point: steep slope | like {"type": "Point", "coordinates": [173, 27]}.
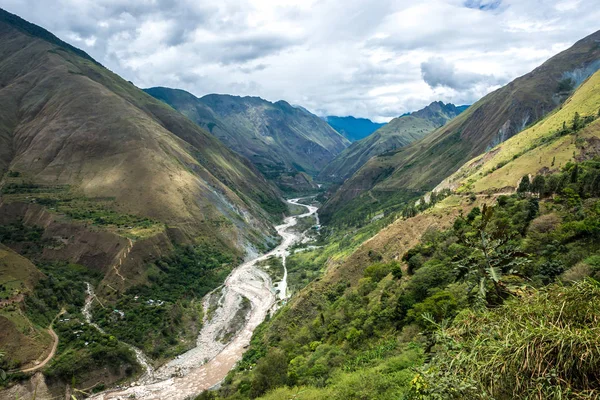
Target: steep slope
{"type": "Point", "coordinates": [492, 120]}
{"type": "Point", "coordinates": [66, 121]}
{"type": "Point", "coordinates": [542, 149]}
{"type": "Point", "coordinates": [18, 276]}
{"type": "Point", "coordinates": [399, 132]}
{"type": "Point", "coordinates": [353, 128]}
{"type": "Point", "coordinates": [278, 138]}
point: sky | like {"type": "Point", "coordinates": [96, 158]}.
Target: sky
{"type": "Point", "coordinates": [368, 58]}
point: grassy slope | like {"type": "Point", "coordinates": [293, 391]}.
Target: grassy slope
{"type": "Point", "coordinates": [536, 149]}
{"type": "Point", "coordinates": [275, 136]}
{"type": "Point", "coordinates": [22, 341]}
{"type": "Point", "coordinates": [493, 119]}
{"type": "Point", "coordinates": [399, 132]}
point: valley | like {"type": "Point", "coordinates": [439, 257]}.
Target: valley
{"type": "Point", "coordinates": [215, 242]}
{"type": "Point", "coordinates": [211, 360]}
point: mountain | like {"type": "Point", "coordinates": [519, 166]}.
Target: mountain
{"type": "Point", "coordinates": [104, 184]}
{"type": "Point", "coordinates": [281, 140]}
{"type": "Point", "coordinates": [492, 120]}
{"type": "Point", "coordinates": [399, 132]}
{"type": "Point", "coordinates": [353, 128]}
{"type": "Point", "coordinates": [541, 150]}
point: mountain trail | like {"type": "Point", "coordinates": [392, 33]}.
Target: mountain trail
{"type": "Point", "coordinates": [122, 257]}
{"type": "Point", "coordinates": [52, 350]}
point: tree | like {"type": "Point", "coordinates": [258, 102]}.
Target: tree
{"type": "Point", "coordinates": [577, 124]}
{"type": "Point", "coordinates": [270, 372]}
{"type": "Point", "coordinates": [491, 255]}
{"type": "Point", "coordinates": [524, 185]}
{"type": "Point", "coordinates": [574, 174]}
{"type": "Point", "coordinates": [538, 184]}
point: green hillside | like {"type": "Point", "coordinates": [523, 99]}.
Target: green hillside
{"type": "Point", "coordinates": [541, 149]}
{"type": "Point", "coordinates": [281, 140]}
{"type": "Point", "coordinates": [399, 132]}
{"type": "Point", "coordinates": [491, 120]}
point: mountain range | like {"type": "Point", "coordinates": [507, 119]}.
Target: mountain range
{"type": "Point", "coordinates": [454, 235]}
{"type": "Point", "coordinates": [281, 140]}
{"type": "Point", "coordinates": [399, 132]}
{"type": "Point", "coordinates": [353, 128]}
{"type": "Point", "coordinates": [491, 120]}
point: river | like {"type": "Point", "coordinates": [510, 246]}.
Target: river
{"type": "Point", "coordinates": [207, 364]}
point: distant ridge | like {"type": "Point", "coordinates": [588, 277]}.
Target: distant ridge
{"type": "Point", "coordinates": [353, 128]}
{"type": "Point", "coordinates": [397, 133]}
{"type": "Point", "coordinates": [280, 139]}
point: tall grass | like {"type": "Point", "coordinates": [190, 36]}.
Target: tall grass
{"type": "Point", "coordinates": [543, 345]}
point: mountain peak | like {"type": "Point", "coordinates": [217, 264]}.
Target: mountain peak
{"type": "Point", "coordinates": [38, 32]}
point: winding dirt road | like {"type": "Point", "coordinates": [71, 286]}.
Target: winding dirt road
{"type": "Point", "coordinates": [52, 350]}
{"type": "Point", "coordinates": [207, 364]}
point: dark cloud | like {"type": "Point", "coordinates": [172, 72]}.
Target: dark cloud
{"type": "Point", "coordinates": [437, 72]}
{"type": "Point", "coordinates": [251, 48]}
{"type": "Point", "coordinates": [485, 5]}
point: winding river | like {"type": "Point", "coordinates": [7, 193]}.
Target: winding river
{"type": "Point", "coordinates": [208, 363]}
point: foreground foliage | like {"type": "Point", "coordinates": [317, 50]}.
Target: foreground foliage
{"type": "Point", "coordinates": [542, 345]}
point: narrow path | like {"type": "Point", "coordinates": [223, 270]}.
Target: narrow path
{"type": "Point", "coordinates": [210, 361]}
{"type": "Point", "coordinates": [122, 258]}
{"type": "Point", "coordinates": [54, 346]}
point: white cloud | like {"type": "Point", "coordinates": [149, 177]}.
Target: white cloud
{"type": "Point", "coordinates": [375, 59]}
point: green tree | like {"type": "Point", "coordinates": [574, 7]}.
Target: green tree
{"type": "Point", "coordinates": [491, 254]}
{"type": "Point", "coordinates": [577, 123]}
{"type": "Point", "coordinates": [574, 173]}
{"type": "Point", "coordinates": [524, 185]}
{"type": "Point", "coordinates": [270, 372]}
{"type": "Point", "coordinates": [538, 184]}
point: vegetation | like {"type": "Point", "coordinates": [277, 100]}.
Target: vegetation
{"type": "Point", "coordinates": [97, 211]}
{"type": "Point", "coordinates": [83, 349]}
{"type": "Point", "coordinates": [272, 266]}
{"type": "Point", "coordinates": [62, 287]}
{"type": "Point", "coordinates": [453, 300]}
{"type": "Point", "coordinates": [164, 317]}
{"type": "Point", "coordinates": [541, 345]}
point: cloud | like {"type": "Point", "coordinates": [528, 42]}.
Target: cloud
{"type": "Point", "coordinates": [375, 59]}
{"type": "Point", "coordinates": [437, 72]}
{"type": "Point", "coordinates": [485, 5]}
